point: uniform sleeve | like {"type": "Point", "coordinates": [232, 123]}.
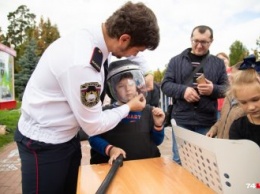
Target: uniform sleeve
{"type": "Point", "coordinates": [90, 117]}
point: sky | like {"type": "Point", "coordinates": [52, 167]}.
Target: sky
{"type": "Point", "coordinates": [230, 21]}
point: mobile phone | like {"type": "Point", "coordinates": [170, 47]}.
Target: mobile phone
{"type": "Point", "coordinates": [201, 79]}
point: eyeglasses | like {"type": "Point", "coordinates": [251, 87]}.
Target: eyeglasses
{"type": "Point", "coordinates": [202, 42]}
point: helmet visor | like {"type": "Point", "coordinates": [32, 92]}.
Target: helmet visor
{"type": "Point", "coordinates": [126, 85]}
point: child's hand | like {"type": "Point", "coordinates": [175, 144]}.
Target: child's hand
{"type": "Point", "coordinates": [158, 116]}
{"type": "Point", "coordinates": [114, 153]}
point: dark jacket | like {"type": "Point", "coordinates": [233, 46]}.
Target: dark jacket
{"type": "Point", "coordinates": [153, 96]}
{"type": "Point", "coordinates": [202, 113]}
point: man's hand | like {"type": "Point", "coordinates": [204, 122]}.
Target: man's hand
{"type": "Point", "coordinates": [137, 103]}
{"type": "Point", "coordinates": [191, 95]}
{"type": "Point", "coordinates": [205, 89]}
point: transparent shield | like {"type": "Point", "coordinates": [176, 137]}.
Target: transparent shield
{"type": "Point", "coordinates": [126, 85]}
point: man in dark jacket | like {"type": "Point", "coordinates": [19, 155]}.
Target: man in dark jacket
{"type": "Point", "coordinates": [195, 106]}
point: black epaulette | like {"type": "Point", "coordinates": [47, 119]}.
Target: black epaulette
{"type": "Point", "coordinates": [96, 59]}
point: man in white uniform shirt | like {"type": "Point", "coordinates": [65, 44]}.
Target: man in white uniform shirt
{"type": "Point", "coordinates": [64, 94]}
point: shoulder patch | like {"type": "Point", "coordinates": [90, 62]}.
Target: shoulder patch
{"type": "Point", "coordinates": [90, 93]}
{"type": "Point", "coordinates": [96, 59]}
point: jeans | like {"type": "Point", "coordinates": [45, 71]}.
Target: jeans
{"type": "Point", "coordinates": [218, 114]}
{"type": "Point", "coordinates": [199, 129]}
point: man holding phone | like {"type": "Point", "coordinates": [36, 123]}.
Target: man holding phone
{"type": "Point", "coordinates": [195, 104]}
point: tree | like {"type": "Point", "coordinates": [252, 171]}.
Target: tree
{"type": "Point", "coordinates": [28, 62]}
{"type": "Point", "coordinates": [237, 52]}
{"type": "Point", "coordinates": [158, 76]}
{"type": "Point", "coordinates": [257, 50]}
{"type": "Point", "coordinates": [29, 40]}
{"type": "Point", "coordinates": [2, 37]}
{"type": "Point", "coordinates": [21, 21]}
{"type": "Point", "coordinates": [45, 34]}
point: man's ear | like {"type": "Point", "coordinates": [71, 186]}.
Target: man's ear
{"type": "Point", "coordinates": [125, 38]}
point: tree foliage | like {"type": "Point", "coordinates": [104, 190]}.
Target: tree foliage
{"type": "Point", "coordinates": [45, 33]}
{"type": "Point", "coordinates": [29, 41]}
{"type": "Point", "coordinates": [158, 76]}
{"type": "Point", "coordinates": [2, 37]}
{"type": "Point", "coordinates": [257, 50]}
{"type": "Point", "coordinates": [23, 28]}
{"type": "Point", "coordinates": [21, 21]}
{"type": "Point", "coordinates": [237, 52]}
{"type": "Point", "coordinates": [28, 62]}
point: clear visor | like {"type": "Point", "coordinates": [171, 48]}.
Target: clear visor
{"type": "Point", "coordinates": [126, 85]}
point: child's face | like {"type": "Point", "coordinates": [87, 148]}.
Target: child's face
{"type": "Point", "coordinates": [248, 97]}
{"type": "Point", "coordinates": [126, 89]}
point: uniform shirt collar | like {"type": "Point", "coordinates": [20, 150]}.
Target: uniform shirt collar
{"type": "Point", "coordinates": [98, 39]}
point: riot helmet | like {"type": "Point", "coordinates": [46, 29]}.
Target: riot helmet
{"type": "Point", "coordinates": [125, 80]}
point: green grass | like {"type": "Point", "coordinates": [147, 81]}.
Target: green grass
{"type": "Point", "coordinates": [10, 119]}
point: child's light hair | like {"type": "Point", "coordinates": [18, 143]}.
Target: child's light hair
{"type": "Point", "coordinates": [244, 78]}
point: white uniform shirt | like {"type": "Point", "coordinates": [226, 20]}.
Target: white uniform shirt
{"type": "Point", "coordinates": [52, 111]}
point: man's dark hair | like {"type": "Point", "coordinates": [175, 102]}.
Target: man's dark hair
{"type": "Point", "coordinates": [136, 20]}
{"type": "Point", "coordinates": [202, 29]}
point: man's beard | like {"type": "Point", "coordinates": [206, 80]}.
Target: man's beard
{"type": "Point", "coordinates": [119, 57]}
{"type": "Point", "coordinates": [121, 50]}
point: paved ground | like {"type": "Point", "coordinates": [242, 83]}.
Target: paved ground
{"type": "Point", "coordinates": [10, 175]}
